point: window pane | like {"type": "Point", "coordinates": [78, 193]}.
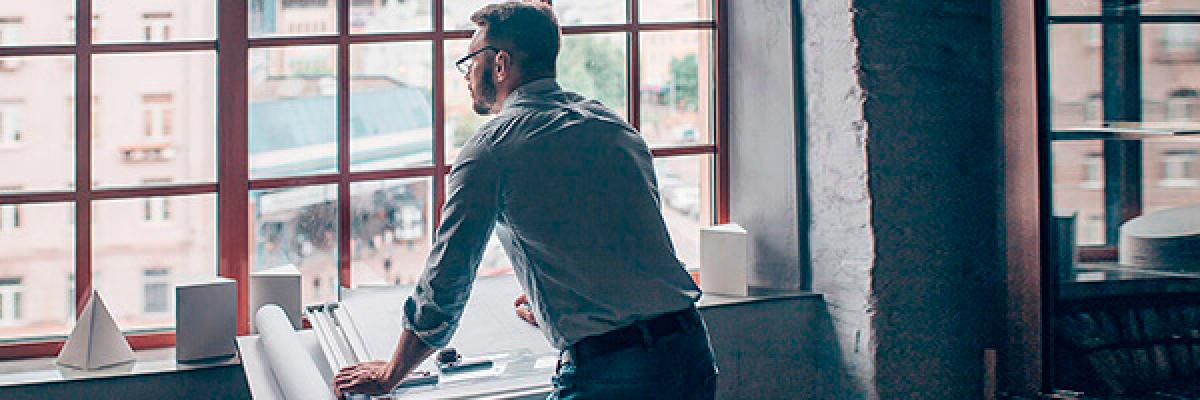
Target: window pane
{"type": "Point", "coordinates": [595, 66]}
{"type": "Point", "coordinates": [131, 254]}
{"type": "Point", "coordinates": [37, 117]}
{"type": "Point", "coordinates": [1169, 76]}
{"type": "Point", "coordinates": [370, 16]}
{"type": "Point", "coordinates": [390, 236]}
{"type": "Point", "coordinates": [39, 258]}
{"type": "Point", "coordinates": [676, 87]}
{"type": "Point", "coordinates": [391, 114]}
{"type": "Point", "coordinates": [1079, 187]}
{"type": "Point", "coordinates": [1170, 7]}
{"type": "Point", "coordinates": [458, 13]}
{"type": "Point", "coordinates": [1075, 76]}
{"type": "Point", "coordinates": [299, 227]}
{"type": "Point", "coordinates": [156, 118]}
{"type": "Point", "coordinates": [292, 17]}
{"type": "Point", "coordinates": [461, 119]}
{"type": "Point", "coordinates": [155, 20]}
{"type": "Point", "coordinates": [1074, 7]}
{"type": "Point", "coordinates": [675, 10]}
{"type": "Point", "coordinates": [293, 111]}
{"type": "Point", "coordinates": [25, 23]}
{"type": "Point", "coordinates": [685, 187]}
{"type": "Point", "coordinates": [583, 12]}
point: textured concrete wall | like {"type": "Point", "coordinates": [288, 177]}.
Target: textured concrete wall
{"type": "Point", "coordinates": [902, 173]}
{"type": "Point", "coordinates": [928, 73]}
{"type": "Point", "coordinates": [782, 357]}
{"type": "Point", "coordinates": [763, 195]}
{"type": "Point", "coordinates": [840, 236]}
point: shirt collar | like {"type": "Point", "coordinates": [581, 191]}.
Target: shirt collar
{"type": "Point", "coordinates": [531, 88]}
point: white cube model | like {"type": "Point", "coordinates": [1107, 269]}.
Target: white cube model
{"type": "Point", "coordinates": [279, 286]}
{"type": "Point", "coordinates": [725, 259]}
{"type": "Point", "coordinates": [205, 319]}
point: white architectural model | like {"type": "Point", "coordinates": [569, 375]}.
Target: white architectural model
{"type": "Point", "coordinates": [96, 342]}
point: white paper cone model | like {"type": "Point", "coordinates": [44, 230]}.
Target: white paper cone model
{"type": "Point", "coordinates": [725, 259]}
{"type": "Point", "coordinates": [279, 286]}
{"type": "Point", "coordinates": [96, 342]}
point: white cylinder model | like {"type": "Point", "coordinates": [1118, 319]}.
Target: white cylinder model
{"type": "Point", "coordinates": [1163, 240]}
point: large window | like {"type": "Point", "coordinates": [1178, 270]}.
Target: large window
{"type": "Point", "coordinates": [1138, 152]}
{"type": "Point", "coordinates": [321, 130]}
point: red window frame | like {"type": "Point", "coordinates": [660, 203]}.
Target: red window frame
{"type": "Point", "coordinates": [232, 44]}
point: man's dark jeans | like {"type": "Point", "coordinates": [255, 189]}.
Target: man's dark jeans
{"type": "Point", "coordinates": [675, 366]}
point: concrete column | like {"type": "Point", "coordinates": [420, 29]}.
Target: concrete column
{"type": "Point", "coordinates": [902, 150]}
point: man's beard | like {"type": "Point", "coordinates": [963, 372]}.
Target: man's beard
{"type": "Point", "coordinates": [486, 98]}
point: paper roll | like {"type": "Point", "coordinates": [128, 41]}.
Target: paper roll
{"type": "Point", "coordinates": [294, 369]}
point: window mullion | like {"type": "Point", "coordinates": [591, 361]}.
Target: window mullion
{"type": "Point", "coordinates": [439, 112]}
{"type": "Point", "coordinates": [232, 153]}
{"type": "Point", "coordinates": [343, 142]}
{"type": "Point", "coordinates": [83, 153]}
{"type": "Point", "coordinates": [635, 67]}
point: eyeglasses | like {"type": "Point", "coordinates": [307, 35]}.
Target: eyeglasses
{"type": "Point", "coordinates": [467, 62]}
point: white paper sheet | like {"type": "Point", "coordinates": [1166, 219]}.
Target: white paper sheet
{"type": "Point", "coordinates": [297, 373]}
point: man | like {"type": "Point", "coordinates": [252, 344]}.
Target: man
{"type": "Point", "coordinates": [570, 189]}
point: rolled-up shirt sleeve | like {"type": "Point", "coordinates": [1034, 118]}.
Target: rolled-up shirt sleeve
{"type": "Point", "coordinates": [434, 308]}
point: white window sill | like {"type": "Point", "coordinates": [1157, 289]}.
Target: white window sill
{"type": "Point", "coordinates": [148, 362]}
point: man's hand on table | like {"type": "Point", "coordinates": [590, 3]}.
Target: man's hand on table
{"type": "Point", "coordinates": [523, 310]}
{"type": "Point", "coordinates": [379, 377]}
{"type": "Point", "coordinates": [371, 378]}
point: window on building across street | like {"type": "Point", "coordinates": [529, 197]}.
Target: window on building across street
{"type": "Point", "coordinates": [10, 217]}
{"type": "Point", "coordinates": [156, 288]}
{"type": "Point", "coordinates": [1181, 40]}
{"type": "Point", "coordinates": [11, 292]}
{"type": "Point", "coordinates": [1183, 105]}
{"type": "Point", "coordinates": [1180, 169]}
{"type": "Point", "coordinates": [156, 26]}
{"type": "Point", "coordinates": [12, 115]}
{"type": "Point", "coordinates": [347, 143]}
{"type": "Point", "coordinates": [1093, 171]}
{"type": "Point", "coordinates": [10, 31]}
{"type": "Point", "coordinates": [157, 112]}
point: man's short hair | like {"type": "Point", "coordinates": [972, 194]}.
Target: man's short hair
{"type": "Point", "coordinates": [527, 29]}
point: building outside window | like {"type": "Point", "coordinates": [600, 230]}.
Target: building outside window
{"type": "Point", "coordinates": [11, 122]}
{"type": "Point", "coordinates": [1179, 43]}
{"type": "Point", "coordinates": [10, 34]}
{"type": "Point", "coordinates": [1183, 105]}
{"type": "Point", "coordinates": [156, 289]}
{"type": "Point", "coordinates": [1179, 169]}
{"type": "Point", "coordinates": [71, 25]}
{"type": "Point", "coordinates": [1093, 171]}
{"type": "Point", "coordinates": [1093, 108]}
{"type": "Point", "coordinates": [156, 209]}
{"type": "Point", "coordinates": [156, 27]}
{"type": "Point", "coordinates": [11, 311]}
{"type": "Point", "coordinates": [157, 113]}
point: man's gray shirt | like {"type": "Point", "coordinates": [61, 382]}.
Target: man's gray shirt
{"type": "Point", "coordinates": [570, 189]}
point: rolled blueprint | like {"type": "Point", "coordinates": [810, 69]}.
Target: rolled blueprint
{"type": "Point", "coordinates": [294, 369]}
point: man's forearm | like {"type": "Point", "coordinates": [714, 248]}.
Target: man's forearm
{"type": "Point", "coordinates": [410, 352]}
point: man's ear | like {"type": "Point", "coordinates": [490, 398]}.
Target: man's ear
{"type": "Point", "coordinates": [503, 65]}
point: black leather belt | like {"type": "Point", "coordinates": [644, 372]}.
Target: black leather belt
{"type": "Point", "coordinates": [643, 333]}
